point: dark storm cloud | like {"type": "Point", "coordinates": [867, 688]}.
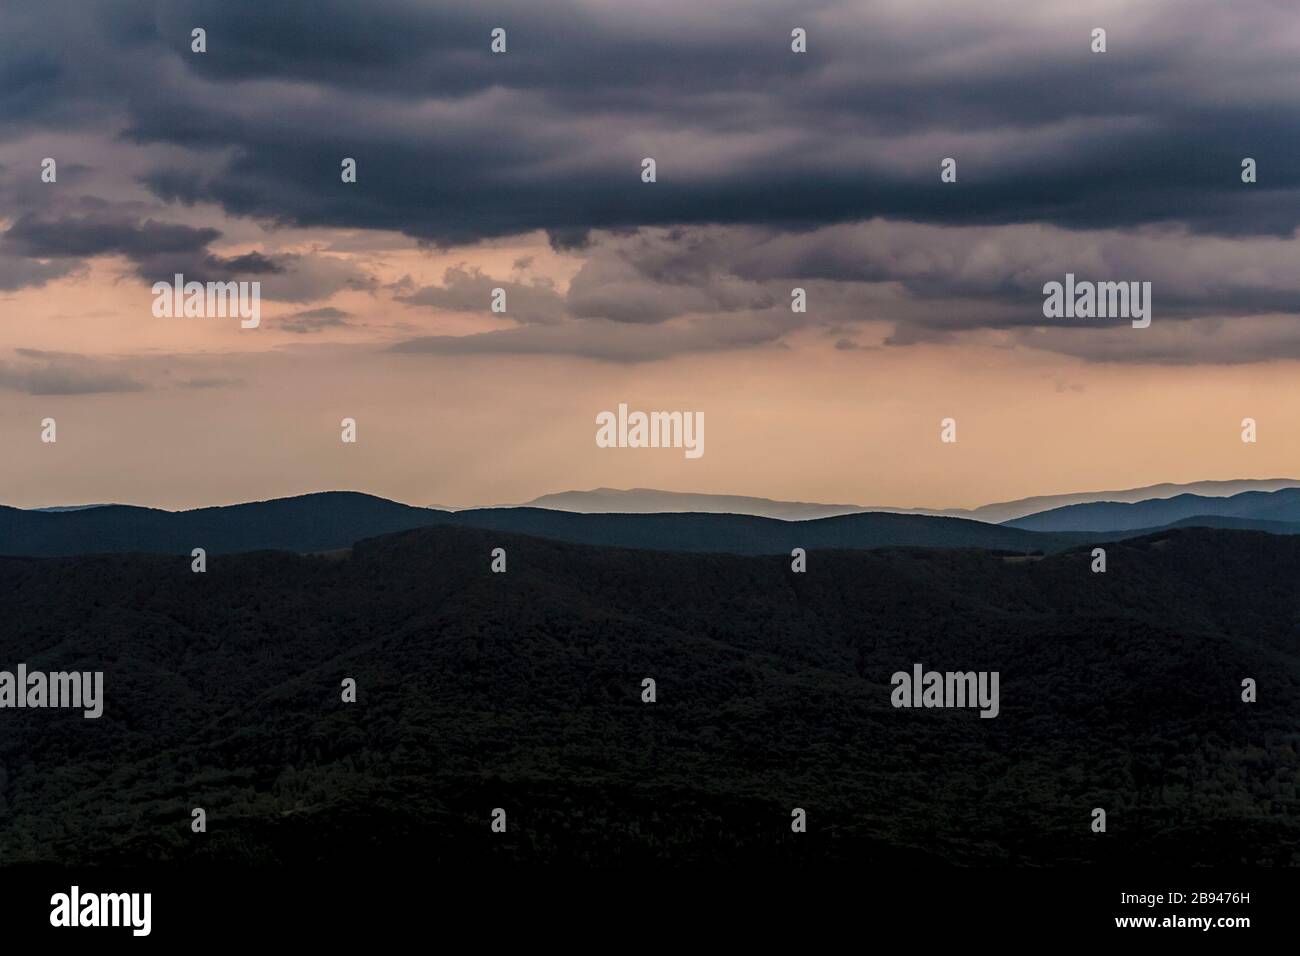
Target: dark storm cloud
{"type": "Point", "coordinates": [454, 143]}
{"type": "Point", "coordinates": [158, 250]}
{"type": "Point", "coordinates": [659, 292]}
{"type": "Point", "coordinates": [84, 236]}
{"type": "Point", "coordinates": [44, 244]}
{"type": "Point", "coordinates": [38, 247]}
{"type": "Point", "coordinates": [639, 278]}
{"type": "Point", "coordinates": [17, 272]}
{"type": "Point", "coordinates": [650, 278]}
{"type": "Point", "coordinates": [774, 169]}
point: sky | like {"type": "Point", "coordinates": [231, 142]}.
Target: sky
{"type": "Point", "coordinates": [522, 171]}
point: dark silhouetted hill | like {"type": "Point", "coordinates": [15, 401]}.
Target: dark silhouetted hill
{"type": "Point", "coordinates": [523, 691]}
{"type": "Point", "coordinates": [746, 534]}
{"type": "Point", "coordinates": [305, 523]}
{"type": "Point", "coordinates": [1281, 506]}
{"type": "Point", "coordinates": [331, 520]}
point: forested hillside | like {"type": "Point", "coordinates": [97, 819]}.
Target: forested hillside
{"type": "Point", "coordinates": [522, 690]}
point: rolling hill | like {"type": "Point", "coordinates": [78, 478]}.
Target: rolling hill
{"type": "Point", "coordinates": [523, 691]}
{"type": "Point", "coordinates": [649, 500]}
{"type": "Point", "coordinates": [332, 520]}
{"type": "Point", "coordinates": [1282, 506]}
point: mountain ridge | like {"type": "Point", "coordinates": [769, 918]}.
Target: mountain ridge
{"type": "Point", "coordinates": [650, 500]}
{"type": "Point", "coordinates": [1282, 505]}
{"type": "Point", "coordinates": [330, 521]}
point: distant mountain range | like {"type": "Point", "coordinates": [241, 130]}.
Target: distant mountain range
{"type": "Point", "coordinates": [649, 500]}
{"type": "Point", "coordinates": [1268, 506]}
{"type": "Point", "coordinates": [334, 520]}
